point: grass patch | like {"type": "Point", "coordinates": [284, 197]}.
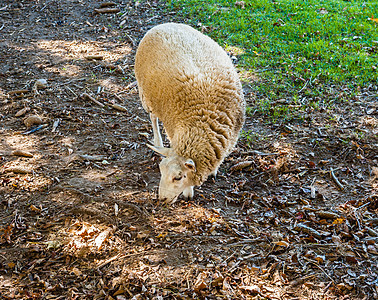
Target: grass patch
{"type": "Point", "coordinates": [293, 44]}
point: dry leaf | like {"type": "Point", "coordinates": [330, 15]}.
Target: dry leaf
{"type": "Point", "coordinates": [102, 237]}
{"type": "Point", "coordinates": [33, 208]}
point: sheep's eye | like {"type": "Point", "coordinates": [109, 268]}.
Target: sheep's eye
{"type": "Point", "coordinates": [177, 178]}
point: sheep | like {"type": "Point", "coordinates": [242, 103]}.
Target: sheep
{"type": "Point", "coordinates": [188, 82]}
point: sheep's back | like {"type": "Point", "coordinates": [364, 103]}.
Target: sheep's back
{"type": "Point", "coordinates": [172, 56]}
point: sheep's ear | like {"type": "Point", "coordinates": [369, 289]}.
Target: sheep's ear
{"type": "Point", "coordinates": [190, 165]}
{"type": "Point", "coordinates": [161, 150]}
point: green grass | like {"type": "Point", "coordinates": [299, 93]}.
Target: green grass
{"type": "Point", "coordinates": [294, 44]}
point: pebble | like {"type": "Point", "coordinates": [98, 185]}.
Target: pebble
{"type": "Point", "coordinates": [32, 120]}
{"type": "Point", "coordinates": [41, 84]}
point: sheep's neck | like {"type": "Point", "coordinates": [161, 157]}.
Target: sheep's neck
{"type": "Point", "coordinates": [193, 142]}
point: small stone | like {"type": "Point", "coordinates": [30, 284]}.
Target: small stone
{"type": "Point", "coordinates": [32, 120]}
{"type": "Point", "coordinates": [41, 84]}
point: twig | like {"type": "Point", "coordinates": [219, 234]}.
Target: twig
{"type": "Point", "coordinates": [34, 129]}
{"type": "Point", "coordinates": [131, 39]}
{"type": "Point", "coordinates": [18, 92]}
{"type": "Point", "coordinates": [320, 268]}
{"type": "Point", "coordinates": [336, 180]}
{"type": "Point", "coordinates": [313, 189]}
{"type": "Point", "coordinates": [118, 107]}
{"type": "Point", "coordinates": [259, 153]}
{"type": "Point", "coordinates": [104, 263]}
{"type": "Point", "coordinates": [362, 206]}
{"type": "Point", "coordinates": [107, 10]}
{"type": "Point", "coordinates": [107, 4]}
{"type": "Point", "coordinates": [68, 88]}
{"type": "Point", "coordinates": [305, 85]}
{"type": "Point", "coordinates": [301, 280]}
{"type": "Point", "coordinates": [86, 96]}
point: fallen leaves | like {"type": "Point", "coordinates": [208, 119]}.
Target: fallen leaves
{"type": "Point", "coordinates": [87, 238]}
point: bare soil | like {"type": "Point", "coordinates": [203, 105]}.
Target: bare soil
{"type": "Point", "coordinates": [292, 214]}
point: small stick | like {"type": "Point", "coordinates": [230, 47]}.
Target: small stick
{"type": "Point", "coordinates": [131, 39]}
{"type": "Point", "coordinates": [86, 96]}
{"type": "Point", "coordinates": [104, 263]}
{"type": "Point", "coordinates": [118, 97]}
{"type": "Point", "coordinates": [68, 88]}
{"type": "Point", "coordinates": [55, 125]}
{"type": "Point", "coordinates": [107, 10]}
{"type": "Point", "coordinates": [336, 180]}
{"type": "Point", "coordinates": [95, 57]}
{"type": "Point", "coordinates": [34, 129]}
{"type": "Point", "coordinates": [313, 189]}
{"type": "Point", "coordinates": [321, 269]}
{"type": "Point", "coordinates": [18, 92]}
{"type": "Point", "coordinates": [107, 4]}
{"type": "Point", "coordinates": [118, 107]}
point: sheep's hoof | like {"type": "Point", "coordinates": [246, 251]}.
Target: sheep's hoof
{"type": "Point", "coordinates": [188, 193]}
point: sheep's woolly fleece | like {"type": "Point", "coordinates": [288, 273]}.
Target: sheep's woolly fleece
{"type": "Point", "coordinates": [188, 81]}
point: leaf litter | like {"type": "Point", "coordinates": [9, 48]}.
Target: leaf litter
{"type": "Point", "coordinates": [293, 215]}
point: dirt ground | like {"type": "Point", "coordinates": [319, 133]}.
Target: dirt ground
{"type": "Point", "coordinates": [292, 214]}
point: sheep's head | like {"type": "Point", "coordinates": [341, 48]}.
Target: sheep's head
{"type": "Point", "coordinates": [176, 174]}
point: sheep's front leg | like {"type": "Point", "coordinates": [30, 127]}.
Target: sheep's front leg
{"type": "Point", "coordinates": [188, 192]}
{"type": "Point", "coordinates": [158, 142]}
{"type": "Point", "coordinates": [214, 173]}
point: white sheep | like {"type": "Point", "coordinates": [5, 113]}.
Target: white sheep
{"type": "Point", "coordinates": [187, 80]}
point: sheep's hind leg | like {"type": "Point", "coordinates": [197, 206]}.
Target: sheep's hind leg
{"type": "Point", "coordinates": [158, 142]}
{"type": "Point", "coordinates": [188, 192]}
